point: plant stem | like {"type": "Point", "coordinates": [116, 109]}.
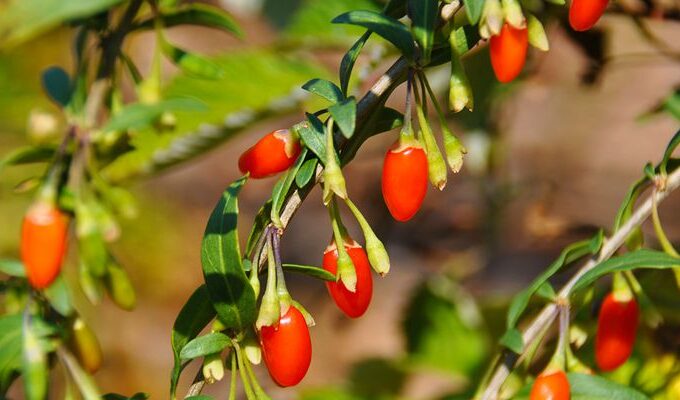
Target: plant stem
{"type": "Point", "coordinates": [546, 317]}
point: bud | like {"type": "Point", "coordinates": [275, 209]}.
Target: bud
{"type": "Point", "coordinates": [492, 19]}
{"type": "Point", "coordinates": [537, 36]}
{"type": "Point", "coordinates": [270, 309]}
{"type": "Point", "coordinates": [333, 181]}
{"type": "Point", "coordinates": [454, 149]}
{"type": "Point", "coordinates": [213, 368]}
{"type": "Point", "coordinates": [512, 12]}
{"type": "Point", "coordinates": [377, 255]}
{"type": "Point", "coordinates": [436, 167]}
{"type": "Point", "coordinates": [346, 272]}
{"type": "Point", "coordinates": [308, 317]}
{"type": "Point", "coordinates": [92, 287]}
{"type": "Point", "coordinates": [460, 92]}
{"type": "Point", "coordinates": [86, 346]}
{"type": "Point", "coordinates": [252, 348]}
{"type": "Point", "coordinates": [120, 288]}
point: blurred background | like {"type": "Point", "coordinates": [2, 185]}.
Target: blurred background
{"type": "Point", "coordinates": [549, 160]}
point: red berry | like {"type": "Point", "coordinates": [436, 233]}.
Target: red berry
{"type": "Point", "coordinates": [43, 243]}
{"type": "Point", "coordinates": [287, 348]}
{"type": "Point", "coordinates": [352, 304]}
{"type": "Point", "coordinates": [272, 154]}
{"type": "Point", "coordinates": [551, 386]}
{"type": "Point", "coordinates": [509, 52]}
{"type": "Point", "coordinates": [583, 14]}
{"type": "Point", "coordinates": [404, 180]}
{"type": "Point", "coordinates": [616, 329]}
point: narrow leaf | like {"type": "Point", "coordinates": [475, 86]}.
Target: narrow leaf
{"type": "Point", "coordinates": [345, 114]}
{"type": "Point", "coordinates": [424, 16]}
{"type": "Point", "coordinates": [306, 172]}
{"type": "Point", "coordinates": [593, 387]}
{"type": "Point", "coordinates": [639, 259]}
{"type": "Point", "coordinates": [194, 316]}
{"type": "Point", "coordinates": [389, 28]}
{"type": "Point", "coordinates": [312, 134]}
{"type": "Point", "coordinates": [27, 155]}
{"type": "Point", "coordinates": [512, 339]}
{"type": "Point", "coordinates": [314, 272]}
{"type": "Point", "coordinates": [348, 60]}
{"type": "Point", "coordinates": [138, 115]}
{"type": "Point", "coordinates": [12, 268]}
{"type": "Point", "coordinates": [201, 346]}
{"type": "Point", "coordinates": [324, 88]}
{"type": "Point", "coordinates": [568, 255]}
{"type": "Point", "coordinates": [228, 287]}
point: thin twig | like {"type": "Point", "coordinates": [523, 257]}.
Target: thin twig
{"type": "Point", "coordinates": [546, 317]}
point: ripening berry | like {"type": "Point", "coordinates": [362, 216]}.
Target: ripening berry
{"type": "Point", "coordinates": [272, 154]}
{"type": "Point", "coordinates": [508, 52]}
{"type": "Point", "coordinates": [616, 330]}
{"type": "Point", "coordinates": [404, 180]}
{"type": "Point", "coordinates": [353, 304]}
{"type": "Point", "coordinates": [583, 14]}
{"type": "Point", "coordinates": [287, 348]}
{"type": "Point", "coordinates": [551, 386]}
{"type": "Point", "coordinates": [86, 346]}
{"type": "Point", "coordinates": [43, 243]}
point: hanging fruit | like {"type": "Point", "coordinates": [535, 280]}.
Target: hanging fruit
{"type": "Point", "coordinates": [43, 243]}
{"type": "Point", "coordinates": [353, 304]}
{"type": "Point", "coordinates": [274, 153]}
{"type": "Point", "coordinates": [508, 52]}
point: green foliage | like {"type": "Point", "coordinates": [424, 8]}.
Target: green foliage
{"type": "Point", "coordinates": [57, 85]}
{"type": "Point", "coordinates": [639, 259]}
{"type": "Point", "coordinates": [344, 114]}
{"type": "Point", "coordinates": [424, 16]}
{"type": "Point", "coordinates": [439, 334]}
{"type": "Point", "coordinates": [310, 270]}
{"type": "Point", "coordinates": [311, 24]}
{"type": "Point", "coordinates": [194, 316]}
{"type": "Point", "coordinates": [201, 346]}
{"type": "Point", "coordinates": [21, 20]}
{"type": "Point", "coordinates": [384, 26]}
{"type": "Point", "coordinates": [229, 289]}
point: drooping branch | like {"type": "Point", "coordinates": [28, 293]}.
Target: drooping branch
{"type": "Point", "coordinates": [546, 317]}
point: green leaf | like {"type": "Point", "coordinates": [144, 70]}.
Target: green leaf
{"type": "Point", "coordinates": [672, 145]}
{"type": "Point", "coordinates": [546, 291]}
{"type": "Point", "coordinates": [306, 172]}
{"type": "Point", "coordinates": [139, 115]}
{"type": "Point", "coordinates": [424, 17]}
{"type": "Point", "coordinates": [199, 397]}
{"type": "Point", "coordinates": [465, 38]}
{"type": "Point", "coordinates": [345, 115]}
{"type": "Point", "coordinates": [672, 104]}
{"type": "Point", "coordinates": [211, 343]}
{"type": "Point", "coordinates": [194, 316]}
{"type": "Point", "coordinates": [10, 349]}
{"type": "Point", "coordinates": [512, 339]}
{"type": "Point", "coordinates": [593, 387]}
{"type": "Point", "coordinates": [568, 255]}
{"type": "Point", "coordinates": [57, 85]}
{"type": "Point", "coordinates": [193, 64]}
{"type": "Point", "coordinates": [309, 270]}
{"type": "Point", "coordinates": [473, 10]}
{"type": "Point", "coordinates": [348, 60]}
{"type": "Point", "coordinates": [283, 186]}
{"type": "Point", "coordinates": [196, 14]}
{"type": "Point", "coordinates": [639, 259]}
{"type": "Point", "coordinates": [636, 238]}
{"type": "Point", "coordinates": [387, 27]}
{"type": "Point", "coordinates": [312, 134]}
{"type": "Point", "coordinates": [59, 297]}
{"type": "Point", "coordinates": [324, 88]}
{"type": "Point", "coordinates": [12, 267]}
{"type": "Point", "coordinates": [21, 20]}
{"type": "Point", "coordinates": [229, 288]}
{"type": "Point", "coordinates": [27, 155]}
